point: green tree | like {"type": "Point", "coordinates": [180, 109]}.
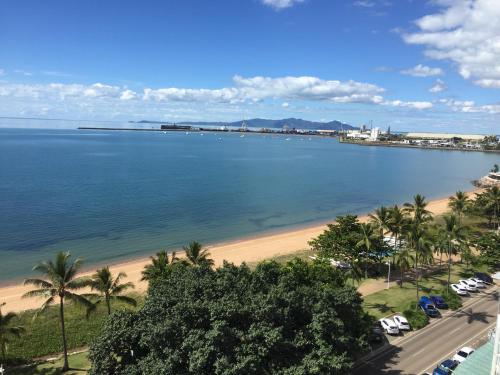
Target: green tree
{"type": "Point", "coordinates": [418, 210]}
{"type": "Point", "coordinates": [459, 204]}
{"type": "Point", "coordinates": [368, 242]}
{"type": "Point", "coordinates": [7, 330]}
{"type": "Point", "coordinates": [110, 288]}
{"type": "Point", "coordinates": [59, 285]}
{"type": "Point", "coordinates": [454, 236]}
{"type": "Point", "coordinates": [404, 260]}
{"type": "Point", "coordinates": [398, 223]}
{"type": "Point", "coordinates": [381, 219]}
{"type": "Point", "coordinates": [297, 318]}
{"type": "Point", "coordinates": [495, 168]}
{"type": "Point", "coordinates": [159, 265]}
{"type": "Point", "coordinates": [417, 242]}
{"type": "Point", "coordinates": [488, 245]}
{"type": "Point", "coordinates": [196, 255]}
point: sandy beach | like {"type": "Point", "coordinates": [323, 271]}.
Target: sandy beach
{"type": "Point", "coordinates": [247, 250]}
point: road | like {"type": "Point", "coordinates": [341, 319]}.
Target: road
{"type": "Point", "coordinates": [420, 351]}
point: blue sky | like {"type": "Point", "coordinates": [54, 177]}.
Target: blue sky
{"type": "Point", "coordinates": [413, 65]}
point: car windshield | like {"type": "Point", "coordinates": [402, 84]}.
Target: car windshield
{"type": "Point", "coordinates": [431, 307]}
{"type": "Point", "coordinates": [462, 354]}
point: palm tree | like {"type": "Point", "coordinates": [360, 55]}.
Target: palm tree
{"type": "Point", "coordinates": [159, 265]}
{"type": "Point", "coordinates": [403, 261]}
{"type": "Point", "coordinates": [196, 255]}
{"type": "Point", "coordinates": [495, 168]}
{"type": "Point", "coordinates": [454, 235]}
{"type": "Point", "coordinates": [419, 244]}
{"type": "Point", "coordinates": [459, 203]}
{"type": "Point", "coordinates": [57, 287]}
{"type": "Point", "coordinates": [367, 242]}
{"type": "Point", "coordinates": [397, 226]}
{"type": "Point", "coordinates": [7, 331]}
{"type": "Point", "coordinates": [418, 209]}
{"type": "Point", "coordinates": [110, 288]}
{"type": "Point", "coordinates": [381, 219]}
{"type": "Point", "coordinates": [492, 196]}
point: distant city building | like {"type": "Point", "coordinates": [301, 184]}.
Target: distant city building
{"type": "Point", "coordinates": [374, 134]}
{"type": "Point", "coordinates": [468, 137]}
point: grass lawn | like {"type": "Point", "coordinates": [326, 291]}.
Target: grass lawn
{"type": "Point", "coordinates": [43, 335]}
{"type": "Point", "coordinates": [397, 299]}
{"type": "Point", "coordinates": [79, 365]}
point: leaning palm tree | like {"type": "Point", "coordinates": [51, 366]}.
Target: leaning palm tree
{"type": "Point", "coordinates": [159, 265]}
{"type": "Point", "coordinates": [110, 288]}
{"type": "Point", "coordinates": [459, 203]}
{"type": "Point", "coordinates": [7, 330]}
{"type": "Point", "coordinates": [58, 286]}
{"type": "Point", "coordinates": [454, 236]}
{"type": "Point", "coordinates": [367, 242]}
{"type": "Point", "coordinates": [196, 255]}
{"type": "Point", "coordinates": [418, 209]}
{"type": "Point", "coordinates": [404, 259]}
{"type": "Point", "coordinates": [381, 219]}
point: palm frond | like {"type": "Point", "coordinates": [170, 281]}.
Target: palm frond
{"type": "Point", "coordinates": [126, 299]}
{"type": "Point", "coordinates": [39, 283]}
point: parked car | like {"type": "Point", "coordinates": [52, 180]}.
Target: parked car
{"type": "Point", "coordinates": [479, 283]}
{"type": "Point", "coordinates": [401, 322]}
{"type": "Point", "coordinates": [439, 302]}
{"type": "Point", "coordinates": [377, 332]}
{"type": "Point", "coordinates": [459, 290]}
{"type": "Point", "coordinates": [463, 353]}
{"type": "Point", "coordinates": [428, 307]}
{"type": "Point", "coordinates": [445, 368]}
{"type": "Point", "coordinates": [389, 326]}
{"type": "Point", "coordinates": [487, 279]}
{"type": "Point", "coordinates": [467, 285]}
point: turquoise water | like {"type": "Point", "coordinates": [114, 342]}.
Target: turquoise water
{"type": "Point", "coordinates": [107, 196]}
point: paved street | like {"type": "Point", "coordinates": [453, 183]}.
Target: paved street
{"type": "Point", "coordinates": [421, 351]}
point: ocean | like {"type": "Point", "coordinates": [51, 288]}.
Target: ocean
{"type": "Point", "coordinates": [109, 196]}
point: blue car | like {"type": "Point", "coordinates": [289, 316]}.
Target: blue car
{"type": "Point", "coordinates": [428, 307]}
{"type": "Point", "coordinates": [445, 368]}
{"type": "Point", "coordinates": [439, 302]}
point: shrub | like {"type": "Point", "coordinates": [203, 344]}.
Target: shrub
{"type": "Point", "coordinates": [416, 317]}
{"type": "Point", "coordinates": [452, 299]}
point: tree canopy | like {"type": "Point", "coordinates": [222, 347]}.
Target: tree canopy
{"type": "Point", "coordinates": [298, 318]}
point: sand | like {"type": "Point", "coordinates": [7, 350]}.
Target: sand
{"type": "Point", "coordinates": [246, 250]}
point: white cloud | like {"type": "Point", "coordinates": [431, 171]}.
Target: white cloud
{"type": "Point", "coordinates": [422, 71]}
{"type": "Point", "coordinates": [364, 3]}
{"type": "Point", "coordinates": [281, 4]}
{"type": "Point", "coordinates": [128, 95]}
{"type": "Point", "coordinates": [285, 105]}
{"type": "Point", "coordinates": [469, 106]}
{"type": "Point", "coordinates": [259, 88]}
{"type": "Point", "coordinates": [439, 86]}
{"type": "Point", "coordinates": [23, 72]}
{"type": "Point", "coordinates": [411, 105]}
{"type": "Point", "coordinates": [467, 33]}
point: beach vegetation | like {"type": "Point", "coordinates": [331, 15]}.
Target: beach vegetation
{"type": "Point", "coordinates": [8, 330]}
{"type": "Point", "coordinates": [59, 284]}
{"type": "Point", "coordinates": [459, 204]}
{"type": "Point", "coordinates": [415, 316]}
{"type": "Point", "coordinates": [109, 288]}
{"type": "Point", "coordinates": [160, 265]}
{"type": "Point", "coordinates": [298, 317]}
{"type": "Point", "coordinates": [197, 255]}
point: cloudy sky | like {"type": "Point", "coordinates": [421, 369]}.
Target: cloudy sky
{"type": "Point", "coordinates": [429, 65]}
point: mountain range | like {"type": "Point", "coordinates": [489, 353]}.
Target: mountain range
{"type": "Point", "coordinates": [296, 123]}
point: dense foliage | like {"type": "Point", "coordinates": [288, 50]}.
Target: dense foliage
{"type": "Point", "coordinates": [488, 245]}
{"type": "Point", "coordinates": [416, 317]}
{"type": "Point", "coordinates": [298, 318]}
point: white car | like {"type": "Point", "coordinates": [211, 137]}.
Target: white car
{"type": "Point", "coordinates": [467, 285]}
{"type": "Point", "coordinates": [479, 283]}
{"type": "Point", "coordinates": [463, 353]}
{"type": "Point", "coordinates": [389, 326]}
{"type": "Point", "coordinates": [401, 322]}
{"type": "Point", "coordinates": [459, 290]}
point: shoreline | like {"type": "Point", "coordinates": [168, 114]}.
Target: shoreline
{"type": "Point", "coordinates": [248, 249]}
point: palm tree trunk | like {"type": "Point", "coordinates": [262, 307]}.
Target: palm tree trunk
{"type": "Point", "coordinates": [108, 304]}
{"type": "Point", "coordinates": [449, 268]}
{"type": "Point", "coordinates": [63, 332]}
{"type": "Point", "coordinates": [440, 259]}
{"type": "Point", "coordinates": [402, 277]}
{"type": "Point", "coordinates": [416, 275]}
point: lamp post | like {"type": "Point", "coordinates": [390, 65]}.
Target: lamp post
{"type": "Point", "coordinates": [388, 275]}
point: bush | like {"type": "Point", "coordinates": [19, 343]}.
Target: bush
{"type": "Point", "coordinates": [452, 299]}
{"type": "Point", "coordinates": [416, 317]}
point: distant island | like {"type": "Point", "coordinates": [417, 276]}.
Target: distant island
{"type": "Point", "coordinates": [291, 123]}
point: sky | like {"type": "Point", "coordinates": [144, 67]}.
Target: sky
{"type": "Point", "coordinates": [421, 65]}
